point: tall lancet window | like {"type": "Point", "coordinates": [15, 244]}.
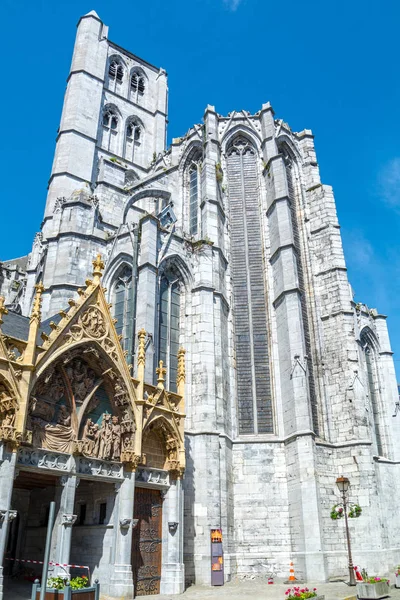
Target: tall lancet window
{"type": "Point", "coordinates": [193, 198]}
{"type": "Point", "coordinates": [193, 182]}
{"type": "Point", "coordinates": [133, 140]}
{"type": "Point", "coordinates": [373, 389]}
{"type": "Point", "coordinates": [123, 306]}
{"type": "Point", "coordinates": [110, 130]}
{"type": "Point", "coordinates": [249, 290]}
{"type": "Point", "coordinates": [169, 325]}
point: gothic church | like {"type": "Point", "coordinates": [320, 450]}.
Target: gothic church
{"type": "Point", "coordinates": [214, 373]}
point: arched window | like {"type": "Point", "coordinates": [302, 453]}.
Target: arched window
{"type": "Point", "coordinates": [192, 181]}
{"type": "Point", "coordinates": [110, 130]}
{"type": "Point", "coordinates": [373, 388]}
{"type": "Point", "coordinates": [132, 140]}
{"type": "Point", "coordinates": [123, 307]}
{"type": "Point", "coordinates": [248, 270]}
{"type": "Point", "coordinates": [169, 325]}
{"type": "Point", "coordinates": [115, 74]}
{"type": "Point", "coordinates": [137, 86]}
{"type": "Point", "coordinates": [193, 198]}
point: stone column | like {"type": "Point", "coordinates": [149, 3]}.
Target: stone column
{"type": "Point", "coordinates": [173, 569]}
{"type": "Point", "coordinates": [65, 519]}
{"type": "Point", "coordinates": [7, 471]}
{"type": "Point", "coordinates": [122, 579]}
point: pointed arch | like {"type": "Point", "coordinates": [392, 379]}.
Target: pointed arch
{"type": "Point", "coordinates": [370, 347]}
{"type": "Point", "coordinates": [133, 139]}
{"type": "Point", "coordinates": [111, 124]}
{"type": "Point", "coordinates": [79, 399]}
{"type": "Point", "coordinates": [116, 69]}
{"type": "Point", "coordinates": [138, 82]}
{"type": "Point", "coordinates": [240, 131]}
{"type": "Point", "coordinates": [173, 276]}
{"type": "Point", "coordinates": [191, 165]}
{"type": "Point", "coordinates": [248, 268]}
{"type": "Point", "coordinates": [161, 441]}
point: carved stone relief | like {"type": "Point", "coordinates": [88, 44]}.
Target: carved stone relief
{"type": "Point", "coordinates": [93, 323]}
{"type": "Point", "coordinates": [152, 476]}
{"type": "Point", "coordinates": [92, 466]}
{"type": "Point", "coordinates": [107, 440]}
{"type": "Point", "coordinates": [49, 423]}
{"type": "Point", "coordinates": [8, 407]}
{"type": "Point", "coordinates": [81, 378]}
{"type": "Point", "coordinates": [43, 459]}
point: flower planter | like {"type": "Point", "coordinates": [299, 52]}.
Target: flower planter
{"type": "Point", "coordinates": [397, 581]}
{"type": "Point", "coordinates": [372, 590]}
{"type": "Point", "coordinates": [88, 593]}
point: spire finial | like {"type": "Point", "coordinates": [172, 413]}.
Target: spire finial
{"type": "Point", "coordinates": [141, 356]}
{"type": "Point", "coordinates": [161, 371]}
{"type": "Point", "coordinates": [98, 267]}
{"type": "Point", "coordinates": [3, 310]}
{"type": "Point", "coordinates": [37, 302]}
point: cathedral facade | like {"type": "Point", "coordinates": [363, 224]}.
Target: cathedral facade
{"type": "Point", "coordinates": [221, 258]}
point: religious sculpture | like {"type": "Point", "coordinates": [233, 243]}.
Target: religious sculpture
{"type": "Point", "coordinates": [103, 442]}
{"type": "Point", "coordinates": [81, 377]}
{"type": "Point", "coordinates": [8, 406]}
{"type": "Point", "coordinates": [44, 433]}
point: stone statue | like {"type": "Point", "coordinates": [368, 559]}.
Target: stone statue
{"type": "Point", "coordinates": [81, 377]}
{"type": "Point", "coordinates": [116, 439]}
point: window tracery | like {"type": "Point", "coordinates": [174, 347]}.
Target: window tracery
{"type": "Point", "coordinates": [115, 74]}
{"type": "Point", "coordinates": [137, 86]}
{"type": "Point", "coordinates": [133, 137]}
{"type": "Point", "coordinates": [169, 324]}
{"type": "Point", "coordinates": [123, 306]}
{"type": "Point", "coordinates": [110, 129]}
{"type": "Point", "coordinates": [192, 181]}
{"type": "Point", "coordinates": [373, 389]}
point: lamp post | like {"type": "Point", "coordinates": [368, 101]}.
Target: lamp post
{"type": "Point", "coordinates": [343, 484]}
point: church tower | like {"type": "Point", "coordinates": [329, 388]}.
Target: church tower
{"type": "Point", "coordinates": [112, 126]}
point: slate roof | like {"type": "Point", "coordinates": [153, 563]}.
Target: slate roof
{"type": "Point", "coordinates": [17, 326]}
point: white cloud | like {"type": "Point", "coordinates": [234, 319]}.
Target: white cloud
{"type": "Point", "coordinates": [389, 183]}
{"type": "Point", "coordinates": [232, 4]}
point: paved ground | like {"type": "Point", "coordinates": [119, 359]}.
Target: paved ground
{"type": "Point", "coordinates": [235, 590]}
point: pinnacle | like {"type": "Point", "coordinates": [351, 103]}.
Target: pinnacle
{"type": "Point", "coordinates": [92, 13]}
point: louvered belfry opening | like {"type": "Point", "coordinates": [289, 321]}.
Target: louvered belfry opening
{"type": "Point", "coordinates": [249, 291]}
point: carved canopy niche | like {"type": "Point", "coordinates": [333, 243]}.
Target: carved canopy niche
{"type": "Point", "coordinates": [160, 445]}
{"type": "Point", "coordinates": [80, 404]}
{"type": "Point", "coordinates": [8, 408]}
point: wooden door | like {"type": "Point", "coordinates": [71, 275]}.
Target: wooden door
{"type": "Point", "coordinates": [147, 542]}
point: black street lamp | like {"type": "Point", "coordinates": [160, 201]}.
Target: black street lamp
{"type": "Point", "coordinates": [343, 484]}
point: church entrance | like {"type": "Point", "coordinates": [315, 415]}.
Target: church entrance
{"type": "Point", "coordinates": [147, 542]}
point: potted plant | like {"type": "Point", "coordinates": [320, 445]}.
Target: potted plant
{"type": "Point", "coordinates": [397, 575]}
{"type": "Point", "coordinates": [60, 588]}
{"type": "Point", "coordinates": [302, 593]}
{"type": "Point", "coordinates": [372, 587]}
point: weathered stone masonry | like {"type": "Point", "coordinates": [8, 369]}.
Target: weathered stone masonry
{"type": "Point", "coordinates": [228, 244]}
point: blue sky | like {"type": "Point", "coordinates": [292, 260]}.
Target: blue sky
{"type": "Point", "coordinates": [329, 66]}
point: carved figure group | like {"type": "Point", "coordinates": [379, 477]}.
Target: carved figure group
{"type": "Point", "coordinates": [81, 377]}
{"type": "Point", "coordinates": [102, 442]}
{"type": "Point", "coordinates": [58, 436]}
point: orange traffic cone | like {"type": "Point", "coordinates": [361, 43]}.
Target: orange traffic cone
{"type": "Point", "coordinates": [291, 573]}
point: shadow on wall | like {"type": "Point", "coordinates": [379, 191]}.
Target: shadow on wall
{"type": "Point", "coordinates": [188, 516]}
{"type": "Point", "coordinates": [93, 532]}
